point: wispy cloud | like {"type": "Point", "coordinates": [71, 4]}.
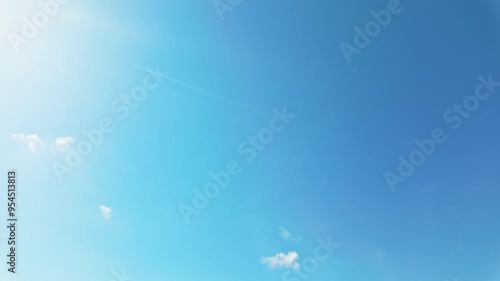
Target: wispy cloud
{"type": "Point", "coordinates": [282, 260]}
{"type": "Point", "coordinates": [105, 211]}
{"type": "Point", "coordinates": [284, 233]}
{"type": "Point", "coordinates": [33, 142]}
{"type": "Point", "coordinates": [63, 143]}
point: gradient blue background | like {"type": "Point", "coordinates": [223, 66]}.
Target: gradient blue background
{"type": "Point", "coordinates": [322, 176]}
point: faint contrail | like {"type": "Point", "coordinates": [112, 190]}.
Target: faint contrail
{"type": "Point", "coordinates": [184, 84]}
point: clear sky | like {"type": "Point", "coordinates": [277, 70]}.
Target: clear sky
{"type": "Point", "coordinates": [217, 80]}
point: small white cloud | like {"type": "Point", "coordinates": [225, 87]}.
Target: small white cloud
{"type": "Point", "coordinates": [284, 233]}
{"type": "Point", "coordinates": [282, 260]}
{"type": "Point", "coordinates": [63, 143]}
{"type": "Point", "coordinates": [33, 142]}
{"type": "Point", "coordinates": [105, 211]}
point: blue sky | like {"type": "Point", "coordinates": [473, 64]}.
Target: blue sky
{"type": "Point", "coordinates": [215, 83]}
